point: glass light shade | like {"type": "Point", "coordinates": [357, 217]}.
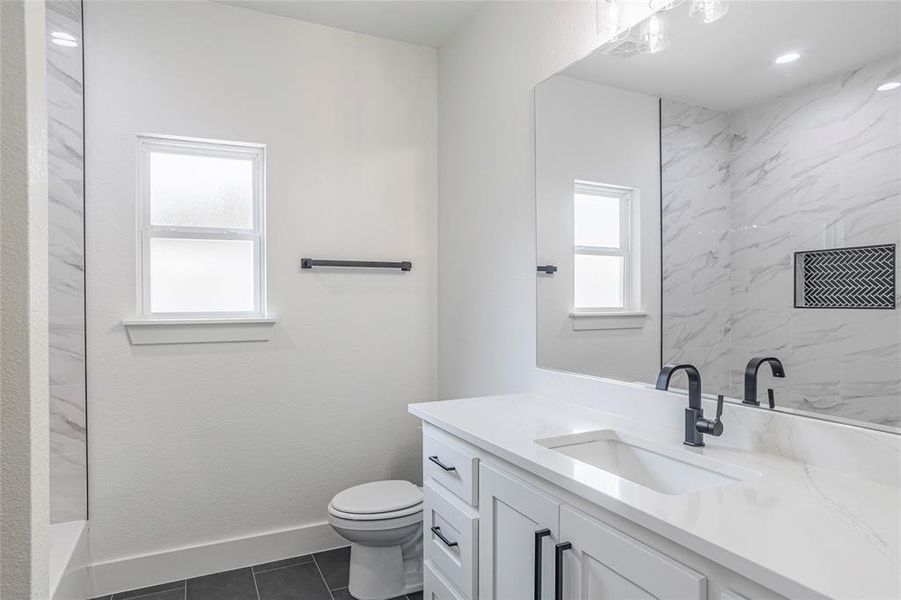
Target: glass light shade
{"type": "Point", "coordinates": [613, 17]}
{"type": "Point", "coordinates": [653, 34]}
{"type": "Point", "coordinates": [708, 11]}
{"type": "Point", "coordinates": [657, 5]}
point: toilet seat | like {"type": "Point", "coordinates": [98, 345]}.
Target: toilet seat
{"type": "Point", "coordinates": [416, 509]}
{"type": "Point", "coordinates": [377, 500]}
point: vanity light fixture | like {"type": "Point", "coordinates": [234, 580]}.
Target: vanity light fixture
{"type": "Point", "coordinates": [888, 86]}
{"type": "Point", "coordinates": [614, 19]}
{"type": "Point", "coordinates": [788, 57]}
{"type": "Point", "coordinates": [708, 11]}
{"type": "Point", "coordinates": [61, 38]}
{"type": "Point", "coordinates": [653, 34]}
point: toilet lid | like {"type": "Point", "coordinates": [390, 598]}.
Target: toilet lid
{"type": "Point", "coordinates": [377, 497]}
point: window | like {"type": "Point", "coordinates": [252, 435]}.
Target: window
{"type": "Point", "coordinates": [603, 278]}
{"type": "Point", "coordinates": [200, 228]}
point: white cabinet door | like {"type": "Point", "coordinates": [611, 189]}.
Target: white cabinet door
{"type": "Point", "coordinates": [513, 517]}
{"type": "Point", "coordinates": [605, 564]}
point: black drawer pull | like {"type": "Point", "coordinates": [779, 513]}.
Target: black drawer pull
{"type": "Point", "coordinates": [539, 535]}
{"type": "Point", "coordinates": [435, 460]}
{"type": "Point", "coordinates": [447, 542]}
{"type": "Point", "coordinates": [559, 549]}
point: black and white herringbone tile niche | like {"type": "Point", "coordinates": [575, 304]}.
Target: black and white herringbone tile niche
{"type": "Point", "coordinates": [862, 277]}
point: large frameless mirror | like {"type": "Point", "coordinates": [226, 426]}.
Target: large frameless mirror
{"type": "Point", "coordinates": [711, 195]}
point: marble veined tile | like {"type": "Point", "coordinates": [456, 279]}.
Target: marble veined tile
{"type": "Point", "coordinates": [68, 487]}
{"type": "Point", "coordinates": [65, 145]}
{"type": "Point", "coordinates": [67, 418]}
{"type": "Point", "coordinates": [742, 192]}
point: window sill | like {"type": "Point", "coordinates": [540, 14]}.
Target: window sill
{"type": "Point", "coordinates": [198, 331]}
{"type": "Point", "coordinates": [583, 321]}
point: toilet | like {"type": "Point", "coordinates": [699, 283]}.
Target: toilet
{"type": "Point", "coordinates": [383, 522]}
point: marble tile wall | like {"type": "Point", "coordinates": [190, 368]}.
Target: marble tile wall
{"type": "Point", "coordinates": [68, 443]}
{"type": "Point", "coordinates": [743, 191]}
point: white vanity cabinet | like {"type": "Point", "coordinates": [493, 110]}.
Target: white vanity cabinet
{"type": "Point", "coordinates": [517, 520]}
{"type": "Point", "coordinates": [504, 526]}
{"type": "Point", "coordinates": [603, 563]}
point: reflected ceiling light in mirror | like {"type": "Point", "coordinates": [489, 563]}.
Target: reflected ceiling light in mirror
{"type": "Point", "coordinates": [61, 38]}
{"type": "Point", "coordinates": [708, 11]}
{"type": "Point", "coordinates": [653, 34]}
{"type": "Point", "coordinates": [888, 86]}
{"type": "Point", "coordinates": [788, 57]}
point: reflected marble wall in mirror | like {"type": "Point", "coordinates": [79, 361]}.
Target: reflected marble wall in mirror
{"type": "Point", "coordinates": [687, 197]}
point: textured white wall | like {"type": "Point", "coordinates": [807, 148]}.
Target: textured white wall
{"type": "Point", "coordinates": [486, 322]}
{"type": "Point", "coordinates": [199, 443]}
{"type": "Point", "coordinates": [24, 410]}
{"type": "Point", "coordinates": [585, 130]}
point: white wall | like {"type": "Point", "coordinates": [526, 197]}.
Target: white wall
{"type": "Point", "coordinates": [24, 408]}
{"type": "Point", "coordinates": [193, 444]}
{"type": "Point", "coordinates": [588, 131]}
{"type": "Point", "coordinates": [487, 71]}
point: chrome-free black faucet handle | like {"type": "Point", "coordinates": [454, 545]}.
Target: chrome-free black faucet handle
{"type": "Point", "coordinates": [771, 396]}
{"type": "Point", "coordinates": [713, 427]}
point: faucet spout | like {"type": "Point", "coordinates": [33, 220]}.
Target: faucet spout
{"type": "Point", "coordinates": [751, 377]}
{"type": "Point", "coordinates": [694, 381]}
{"type": "Point", "coordinates": [695, 423]}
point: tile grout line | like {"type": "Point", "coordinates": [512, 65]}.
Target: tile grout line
{"type": "Point", "coordinates": [253, 573]}
{"type": "Point", "coordinates": [324, 582]}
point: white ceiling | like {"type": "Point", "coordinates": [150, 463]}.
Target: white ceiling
{"type": "Point", "coordinates": [423, 22]}
{"type": "Point", "coordinates": [729, 64]}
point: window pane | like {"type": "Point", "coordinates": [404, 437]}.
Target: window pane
{"type": "Point", "coordinates": [599, 281]}
{"type": "Point", "coordinates": [201, 191]}
{"type": "Point", "coordinates": [201, 275]}
{"type": "Point", "coordinates": [597, 221]}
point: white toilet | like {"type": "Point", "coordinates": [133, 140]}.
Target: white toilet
{"type": "Point", "coordinates": [383, 522]}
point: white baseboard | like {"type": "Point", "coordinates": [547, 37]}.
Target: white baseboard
{"type": "Point", "coordinates": [192, 561]}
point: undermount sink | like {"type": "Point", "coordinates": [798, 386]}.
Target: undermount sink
{"type": "Point", "coordinates": [660, 468]}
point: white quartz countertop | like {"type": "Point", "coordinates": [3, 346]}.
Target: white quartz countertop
{"type": "Point", "coordinates": [800, 530]}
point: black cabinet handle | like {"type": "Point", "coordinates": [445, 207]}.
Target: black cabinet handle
{"type": "Point", "coordinates": [559, 549]}
{"type": "Point", "coordinates": [435, 460]}
{"type": "Point", "coordinates": [447, 542]}
{"type": "Point", "coordinates": [547, 269]}
{"type": "Point", "coordinates": [539, 535]}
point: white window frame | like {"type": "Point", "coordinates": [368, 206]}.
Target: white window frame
{"type": "Point", "coordinates": [625, 250]}
{"type": "Point", "coordinates": [256, 153]}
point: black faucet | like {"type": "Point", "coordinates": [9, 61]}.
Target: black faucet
{"type": "Point", "coordinates": [751, 379]}
{"type": "Point", "coordinates": [695, 423]}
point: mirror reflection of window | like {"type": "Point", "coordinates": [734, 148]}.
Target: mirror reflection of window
{"type": "Point", "coordinates": [603, 253]}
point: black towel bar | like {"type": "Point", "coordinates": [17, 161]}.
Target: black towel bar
{"type": "Point", "coordinates": [309, 263]}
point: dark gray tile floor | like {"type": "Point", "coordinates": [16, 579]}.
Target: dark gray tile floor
{"type": "Point", "coordinates": [319, 576]}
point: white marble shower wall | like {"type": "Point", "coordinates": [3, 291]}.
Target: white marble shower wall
{"type": "Point", "coordinates": [743, 191]}
{"type": "Point", "coordinates": [68, 465]}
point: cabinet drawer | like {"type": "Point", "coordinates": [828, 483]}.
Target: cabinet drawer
{"type": "Point", "coordinates": [451, 537]}
{"type": "Point", "coordinates": [451, 466]}
{"type": "Point", "coordinates": [434, 587]}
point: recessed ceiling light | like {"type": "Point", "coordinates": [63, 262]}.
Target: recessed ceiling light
{"type": "Point", "coordinates": [788, 57]}
{"type": "Point", "coordinates": [889, 85]}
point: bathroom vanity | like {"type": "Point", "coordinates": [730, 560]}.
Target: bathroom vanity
{"type": "Point", "coordinates": [530, 497]}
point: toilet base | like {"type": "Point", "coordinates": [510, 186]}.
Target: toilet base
{"type": "Point", "coordinates": [385, 572]}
